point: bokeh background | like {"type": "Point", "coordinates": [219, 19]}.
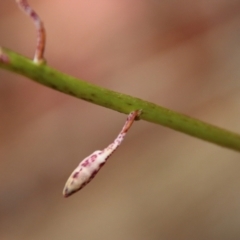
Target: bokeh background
{"type": "Point", "coordinates": [160, 184]}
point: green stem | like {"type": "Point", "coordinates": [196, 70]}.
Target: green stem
{"type": "Point", "coordinates": [117, 101]}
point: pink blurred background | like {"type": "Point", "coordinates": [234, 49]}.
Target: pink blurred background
{"type": "Point", "coordinates": [160, 184]}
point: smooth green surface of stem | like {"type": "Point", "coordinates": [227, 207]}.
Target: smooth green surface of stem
{"type": "Point", "coordinates": [116, 101]}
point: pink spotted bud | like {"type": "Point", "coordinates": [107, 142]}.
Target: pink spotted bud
{"type": "Point", "coordinates": [89, 167]}
{"type": "Point", "coordinates": [84, 173]}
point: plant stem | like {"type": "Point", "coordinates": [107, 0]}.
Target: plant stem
{"type": "Point", "coordinates": [151, 112]}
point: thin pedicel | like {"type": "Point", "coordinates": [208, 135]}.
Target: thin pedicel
{"type": "Point", "coordinates": [41, 33]}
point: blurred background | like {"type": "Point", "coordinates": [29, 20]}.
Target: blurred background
{"type": "Point", "coordinates": [160, 184]}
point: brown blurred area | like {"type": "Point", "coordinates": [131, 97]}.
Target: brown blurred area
{"type": "Point", "coordinates": [160, 184]}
